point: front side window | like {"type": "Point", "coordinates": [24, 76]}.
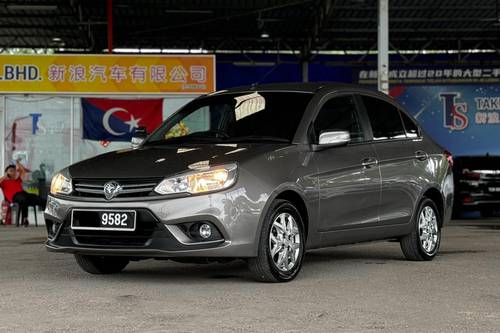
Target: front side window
{"type": "Point", "coordinates": [384, 119]}
{"type": "Point", "coordinates": [339, 114]}
{"type": "Point", "coordinates": [249, 116]}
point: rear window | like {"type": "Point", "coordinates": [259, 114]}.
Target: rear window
{"type": "Point", "coordinates": [384, 119]}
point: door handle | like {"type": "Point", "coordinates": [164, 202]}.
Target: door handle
{"type": "Point", "coordinates": [421, 155]}
{"type": "Point", "coordinates": [369, 162]}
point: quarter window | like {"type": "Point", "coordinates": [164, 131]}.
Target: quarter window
{"type": "Point", "coordinates": [410, 127]}
{"type": "Point", "coordinates": [384, 119]}
{"type": "Point", "coordinates": [339, 114]}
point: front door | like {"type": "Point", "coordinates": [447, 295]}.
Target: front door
{"type": "Point", "coordinates": [348, 176]}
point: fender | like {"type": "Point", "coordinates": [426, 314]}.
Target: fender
{"type": "Point", "coordinates": [446, 208]}
{"type": "Point", "coordinates": [312, 212]}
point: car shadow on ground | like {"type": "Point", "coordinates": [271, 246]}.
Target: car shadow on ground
{"type": "Point", "coordinates": [237, 270]}
{"type": "Point", "coordinates": [344, 257]}
{"type": "Point", "coordinates": [186, 272]}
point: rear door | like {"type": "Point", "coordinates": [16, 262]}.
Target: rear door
{"type": "Point", "coordinates": [348, 176]}
{"type": "Point", "coordinates": [397, 160]}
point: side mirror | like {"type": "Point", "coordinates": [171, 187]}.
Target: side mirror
{"type": "Point", "coordinates": [332, 139]}
{"type": "Point", "coordinates": [139, 135]}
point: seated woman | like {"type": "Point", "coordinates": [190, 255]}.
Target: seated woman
{"type": "Point", "coordinates": [11, 185]}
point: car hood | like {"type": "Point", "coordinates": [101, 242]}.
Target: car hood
{"type": "Point", "coordinates": [152, 162]}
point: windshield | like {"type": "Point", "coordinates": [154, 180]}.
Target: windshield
{"type": "Point", "coordinates": [236, 117]}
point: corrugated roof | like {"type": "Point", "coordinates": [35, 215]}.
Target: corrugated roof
{"type": "Point", "coordinates": [238, 24]}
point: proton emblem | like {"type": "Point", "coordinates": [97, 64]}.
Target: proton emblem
{"type": "Point", "coordinates": [112, 189]}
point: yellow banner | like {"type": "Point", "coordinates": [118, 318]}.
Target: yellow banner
{"type": "Point", "coordinates": [107, 74]}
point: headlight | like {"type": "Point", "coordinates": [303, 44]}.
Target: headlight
{"type": "Point", "coordinates": [60, 185]}
{"type": "Point", "coordinates": [214, 179]}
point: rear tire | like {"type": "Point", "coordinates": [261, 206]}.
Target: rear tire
{"type": "Point", "coordinates": [281, 244]}
{"type": "Point", "coordinates": [422, 244]}
{"type": "Point", "coordinates": [100, 264]}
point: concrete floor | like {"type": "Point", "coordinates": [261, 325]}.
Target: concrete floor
{"type": "Point", "coordinates": [367, 287]}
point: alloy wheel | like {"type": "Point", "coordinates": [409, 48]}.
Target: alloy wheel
{"type": "Point", "coordinates": [428, 230]}
{"type": "Point", "coordinates": [284, 242]}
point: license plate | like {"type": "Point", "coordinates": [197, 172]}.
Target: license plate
{"type": "Point", "coordinates": [494, 189]}
{"type": "Point", "coordinates": [116, 220]}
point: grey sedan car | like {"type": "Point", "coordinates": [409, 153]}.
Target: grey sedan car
{"type": "Point", "coordinates": [260, 173]}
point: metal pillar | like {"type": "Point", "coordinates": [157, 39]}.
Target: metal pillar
{"type": "Point", "coordinates": [305, 71]}
{"type": "Point", "coordinates": [3, 131]}
{"type": "Point", "coordinates": [72, 131]}
{"type": "Point", "coordinates": [383, 46]}
{"type": "Point", "coordinates": [110, 25]}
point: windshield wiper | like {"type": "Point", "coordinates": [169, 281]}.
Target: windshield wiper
{"type": "Point", "coordinates": [185, 139]}
{"type": "Point", "coordinates": [258, 138]}
{"type": "Point", "coordinates": [201, 137]}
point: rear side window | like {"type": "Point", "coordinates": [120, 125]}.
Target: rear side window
{"type": "Point", "coordinates": [339, 114]}
{"type": "Point", "coordinates": [384, 119]}
{"type": "Point", "coordinates": [410, 127]}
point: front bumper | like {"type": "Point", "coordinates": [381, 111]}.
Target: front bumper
{"type": "Point", "coordinates": [160, 227]}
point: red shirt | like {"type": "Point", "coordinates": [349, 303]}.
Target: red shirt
{"type": "Point", "coordinates": [10, 187]}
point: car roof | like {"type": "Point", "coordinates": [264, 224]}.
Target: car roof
{"type": "Point", "coordinates": [307, 87]}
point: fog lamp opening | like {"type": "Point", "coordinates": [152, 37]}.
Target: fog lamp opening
{"type": "Point", "coordinates": [205, 231]}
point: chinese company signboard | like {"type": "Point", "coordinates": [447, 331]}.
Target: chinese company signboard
{"type": "Point", "coordinates": [107, 74]}
{"type": "Point", "coordinates": [446, 75]}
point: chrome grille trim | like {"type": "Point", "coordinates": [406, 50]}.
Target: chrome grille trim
{"type": "Point", "coordinates": [123, 185]}
{"type": "Point", "coordinates": [93, 188]}
{"type": "Point", "coordinates": [124, 191]}
{"type": "Point", "coordinates": [89, 185]}
{"type": "Point", "coordinates": [84, 190]}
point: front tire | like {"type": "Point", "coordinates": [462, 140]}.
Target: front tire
{"type": "Point", "coordinates": [422, 244]}
{"type": "Point", "coordinates": [100, 264]}
{"type": "Point", "coordinates": [281, 244]}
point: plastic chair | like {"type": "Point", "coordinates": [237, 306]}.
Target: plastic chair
{"type": "Point", "coordinates": [6, 213]}
{"type": "Point", "coordinates": [15, 207]}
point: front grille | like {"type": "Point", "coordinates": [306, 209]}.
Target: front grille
{"type": "Point", "coordinates": [130, 187]}
{"type": "Point", "coordinates": [146, 225]}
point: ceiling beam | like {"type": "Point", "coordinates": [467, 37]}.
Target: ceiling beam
{"type": "Point", "coordinates": [411, 30]}
{"type": "Point", "coordinates": [253, 12]}
{"type": "Point", "coordinates": [440, 19]}
{"type": "Point", "coordinates": [395, 7]}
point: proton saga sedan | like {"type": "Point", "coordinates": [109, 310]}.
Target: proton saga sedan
{"type": "Point", "coordinates": [261, 173]}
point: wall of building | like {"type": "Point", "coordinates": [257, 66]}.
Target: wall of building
{"type": "Point", "coordinates": [46, 131]}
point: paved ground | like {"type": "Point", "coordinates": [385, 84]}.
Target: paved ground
{"type": "Point", "coordinates": [349, 289]}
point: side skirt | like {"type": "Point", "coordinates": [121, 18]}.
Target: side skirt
{"type": "Point", "coordinates": [365, 234]}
